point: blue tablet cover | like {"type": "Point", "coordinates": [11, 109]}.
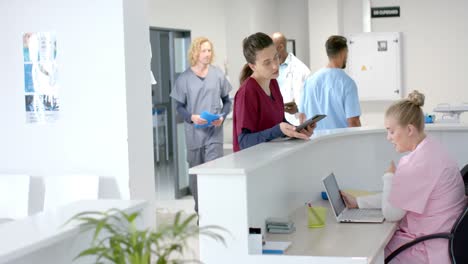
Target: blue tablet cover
{"type": "Point", "coordinates": [208, 117]}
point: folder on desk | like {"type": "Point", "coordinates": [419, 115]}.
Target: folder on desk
{"type": "Point", "coordinates": [284, 227]}
{"type": "Point", "coordinates": [280, 225]}
{"type": "Point", "coordinates": [278, 221]}
{"type": "Point", "coordinates": [281, 230]}
{"type": "Point", "coordinates": [275, 247]}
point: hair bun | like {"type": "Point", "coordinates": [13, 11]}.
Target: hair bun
{"type": "Point", "coordinates": [416, 98]}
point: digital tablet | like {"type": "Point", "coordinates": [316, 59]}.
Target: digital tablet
{"type": "Point", "coordinates": [312, 120]}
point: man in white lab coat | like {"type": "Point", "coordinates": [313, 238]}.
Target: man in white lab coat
{"type": "Point", "coordinates": [292, 75]}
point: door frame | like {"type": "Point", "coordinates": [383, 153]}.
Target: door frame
{"type": "Point", "coordinates": [179, 192]}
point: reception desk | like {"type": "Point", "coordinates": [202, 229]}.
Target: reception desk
{"type": "Point", "coordinates": [275, 179]}
{"type": "Point", "coordinates": [43, 237]}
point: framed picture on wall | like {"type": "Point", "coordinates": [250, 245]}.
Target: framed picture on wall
{"type": "Point", "coordinates": [291, 46]}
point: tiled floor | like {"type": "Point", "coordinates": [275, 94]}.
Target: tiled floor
{"type": "Point", "coordinates": [167, 206]}
{"type": "Point", "coordinates": [185, 204]}
{"type": "Point", "coordinates": [165, 213]}
{"type": "Point", "coordinates": [164, 180]}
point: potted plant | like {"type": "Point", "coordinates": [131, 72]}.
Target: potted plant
{"type": "Point", "coordinates": [117, 239]}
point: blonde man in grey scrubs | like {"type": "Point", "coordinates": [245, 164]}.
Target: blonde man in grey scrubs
{"type": "Point", "coordinates": [202, 87]}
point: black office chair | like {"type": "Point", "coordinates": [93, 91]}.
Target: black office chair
{"type": "Point", "coordinates": [464, 173]}
{"type": "Point", "coordinates": [458, 241]}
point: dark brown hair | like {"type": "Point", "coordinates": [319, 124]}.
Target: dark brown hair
{"type": "Point", "coordinates": [334, 45]}
{"type": "Point", "coordinates": [251, 45]}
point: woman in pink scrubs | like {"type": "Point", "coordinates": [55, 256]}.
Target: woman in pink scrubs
{"type": "Point", "coordinates": [425, 191]}
{"type": "Point", "coordinates": [258, 104]}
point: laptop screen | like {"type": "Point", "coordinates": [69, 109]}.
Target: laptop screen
{"type": "Point", "coordinates": [333, 192]}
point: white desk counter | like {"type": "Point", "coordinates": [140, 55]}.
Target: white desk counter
{"type": "Point", "coordinates": [43, 238]}
{"type": "Point", "coordinates": [242, 189]}
{"type": "Point", "coordinates": [353, 239]}
{"type": "Point", "coordinates": [265, 153]}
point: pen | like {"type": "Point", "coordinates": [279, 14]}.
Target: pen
{"type": "Point", "coordinates": [309, 204]}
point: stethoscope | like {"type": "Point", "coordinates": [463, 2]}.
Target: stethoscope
{"type": "Point", "coordinates": [290, 74]}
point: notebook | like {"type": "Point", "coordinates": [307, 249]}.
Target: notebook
{"type": "Point", "coordinates": [275, 247]}
{"type": "Point", "coordinates": [346, 215]}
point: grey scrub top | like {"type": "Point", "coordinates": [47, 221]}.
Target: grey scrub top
{"type": "Point", "coordinates": [201, 95]}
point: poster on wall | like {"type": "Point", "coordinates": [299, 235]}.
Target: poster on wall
{"type": "Point", "coordinates": [42, 103]}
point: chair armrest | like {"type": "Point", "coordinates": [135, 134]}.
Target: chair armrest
{"type": "Point", "coordinates": [416, 241]}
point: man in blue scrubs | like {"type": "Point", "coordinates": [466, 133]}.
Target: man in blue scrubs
{"type": "Point", "coordinates": [331, 91]}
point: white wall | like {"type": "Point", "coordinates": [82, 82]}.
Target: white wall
{"type": "Point", "coordinates": [434, 46]}
{"type": "Point", "coordinates": [244, 18]}
{"type": "Point", "coordinates": [203, 18]}
{"type": "Point", "coordinates": [433, 37]}
{"type": "Point", "coordinates": [325, 19]}
{"type": "Point", "coordinates": [238, 27]}
{"type": "Point", "coordinates": [139, 104]}
{"type": "Point", "coordinates": [227, 23]}
{"type": "Point", "coordinates": [263, 15]}
{"type": "Point", "coordinates": [352, 17]}
{"type": "Point", "coordinates": [294, 22]}
{"type": "Point", "coordinates": [95, 70]}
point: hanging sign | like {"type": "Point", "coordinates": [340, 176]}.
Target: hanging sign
{"type": "Point", "coordinates": [388, 11]}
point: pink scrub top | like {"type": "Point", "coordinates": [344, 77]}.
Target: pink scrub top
{"type": "Point", "coordinates": [255, 110]}
{"type": "Point", "coordinates": [428, 185]}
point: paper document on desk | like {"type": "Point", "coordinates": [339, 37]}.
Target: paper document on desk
{"type": "Point", "coordinates": [275, 247]}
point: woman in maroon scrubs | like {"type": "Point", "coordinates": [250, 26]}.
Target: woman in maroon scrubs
{"type": "Point", "coordinates": [258, 104]}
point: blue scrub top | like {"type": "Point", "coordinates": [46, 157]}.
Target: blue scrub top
{"type": "Point", "coordinates": [332, 92]}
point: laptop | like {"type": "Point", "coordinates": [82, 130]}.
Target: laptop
{"type": "Point", "coordinates": [344, 214]}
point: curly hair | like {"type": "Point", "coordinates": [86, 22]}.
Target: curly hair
{"type": "Point", "coordinates": [195, 47]}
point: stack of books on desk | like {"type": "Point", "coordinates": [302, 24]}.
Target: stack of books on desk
{"type": "Point", "coordinates": [280, 226]}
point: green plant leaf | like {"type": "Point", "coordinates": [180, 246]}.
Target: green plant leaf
{"type": "Point", "coordinates": [131, 218]}
{"type": "Point", "coordinates": [90, 251]}
{"type": "Point", "coordinates": [117, 239]}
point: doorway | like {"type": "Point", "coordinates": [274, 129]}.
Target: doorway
{"type": "Point", "coordinates": [169, 48]}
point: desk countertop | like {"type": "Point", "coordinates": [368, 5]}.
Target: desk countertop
{"type": "Point", "coordinates": [335, 239]}
{"type": "Point", "coordinates": [252, 158]}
